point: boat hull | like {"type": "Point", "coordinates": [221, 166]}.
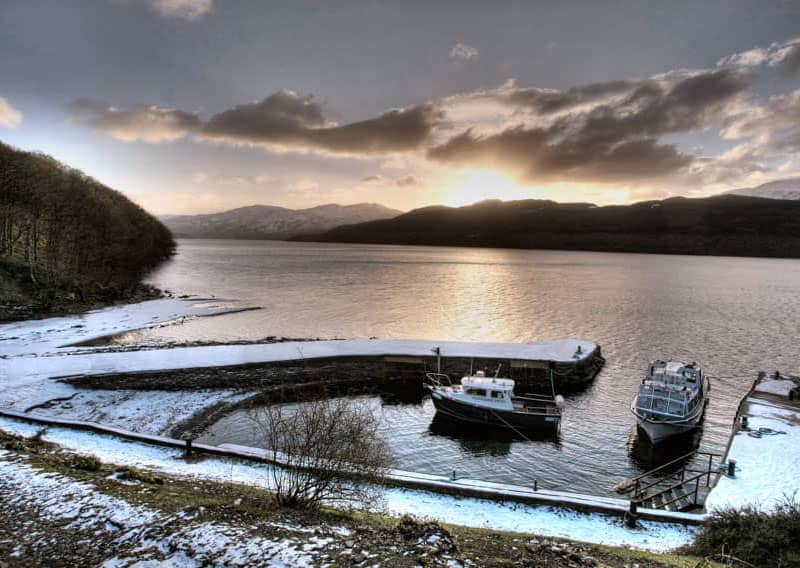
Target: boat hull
{"type": "Point", "coordinates": [493, 417]}
{"type": "Point", "coordinates": [659, 431]}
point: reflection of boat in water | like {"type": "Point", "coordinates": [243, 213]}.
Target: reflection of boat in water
{"type": "Point", "coordinates": [671, 399]}
{"type": "Point", "coordinates": [479, 399]}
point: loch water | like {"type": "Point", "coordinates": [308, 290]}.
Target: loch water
{"type": "Point", "coordinates": [734, 316]}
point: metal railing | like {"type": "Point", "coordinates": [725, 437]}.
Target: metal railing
{"type": "Point", "coordinates": [640, 491]}
{"type": "Point", "coordinates": [436, 380]}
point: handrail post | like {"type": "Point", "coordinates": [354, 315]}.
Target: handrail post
{"type": "Point", "coordinates": [696, 489]}
{"type": "Point", "coordinates": [631, 516]}
{"type": "Point", "coordinates": [708, 477]}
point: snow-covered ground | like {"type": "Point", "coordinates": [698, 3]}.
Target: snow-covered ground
{"type": "Point", "coordinates": [147, 412]}
{"type": "Point", "coordinates": [141, 535]}
{"type": "Point", "coordinates": [767, 466]}
{"type": "Point", "coordinates": [474, 512]}
{"type": "Point", "coordinates": [43, 336]}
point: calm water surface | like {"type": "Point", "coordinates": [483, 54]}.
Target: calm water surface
{"type": "Point", "coordinates": [735, 316]}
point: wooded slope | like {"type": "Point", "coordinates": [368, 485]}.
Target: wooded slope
{"type": "Point", "coordinates": [62, 231]}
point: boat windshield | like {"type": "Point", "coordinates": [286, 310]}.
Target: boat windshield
{"type": "Point", "coordinates": [665, 401]}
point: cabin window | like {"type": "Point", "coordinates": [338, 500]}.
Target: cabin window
{"type": "Point", "coordinates": [497, 394]}
{"type": "Point", "coordinates": [477, 392]}
{"type": "Point", "coordinates": [675, 408]}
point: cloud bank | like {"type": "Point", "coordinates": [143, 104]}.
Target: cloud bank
{"type": "Point", "coordinates": [624, 131]}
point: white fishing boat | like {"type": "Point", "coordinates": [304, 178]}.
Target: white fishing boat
{"type": "Point", "coordinates": [491, 401]}
{"type": "Point", "coordinates": [671, 399]}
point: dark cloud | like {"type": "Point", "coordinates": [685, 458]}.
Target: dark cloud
{"type": "Point", "coordinates": [139, 123]}
{"type": "Point", "coordinates": [654, 108]}
{"type": "Point", "coordinates": [615, 141]}
{"type": "Point", "coordinates": [536, 155]}
{"type": "Point", "coordinates": [281, 115]}
{"type": "Point", "coordinates": [284, 121]}
{"type": "Point", "coordinates": [409, 181]}
{"type": "Point", "coordinates": [547, 101]}
{"type": "Point", "coordinates": [791, 59]}
{"type": "Point", "coordinates": [290, 121]}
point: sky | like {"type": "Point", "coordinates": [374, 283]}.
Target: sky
{"type": "Point", "coordinates": [197, 106]}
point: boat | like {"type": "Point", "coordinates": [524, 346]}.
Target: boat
{"type": "Point", "coordinates": [479, 399]}
{"type": "Point", "coordinates": [671, 399]}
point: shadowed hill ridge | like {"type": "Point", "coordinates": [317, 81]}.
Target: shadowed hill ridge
{"type": "Point", "coordinates": [720, 225]}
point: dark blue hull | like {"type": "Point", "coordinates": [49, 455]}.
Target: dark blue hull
{"type": "Point", "coordinates": [522, 420]}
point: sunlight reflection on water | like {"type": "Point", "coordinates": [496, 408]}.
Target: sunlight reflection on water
{"type": "Point", "coordinates": [735, 316]}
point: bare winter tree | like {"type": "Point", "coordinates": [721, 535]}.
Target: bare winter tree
{"type": "Point", "coordinates": [331, 450]}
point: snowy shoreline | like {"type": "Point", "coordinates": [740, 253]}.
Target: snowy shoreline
{"type": "Point", "coordinates": [513, 516]}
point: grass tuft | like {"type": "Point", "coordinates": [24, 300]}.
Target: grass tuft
{"type": "Point", "coordinates": [86, 463]}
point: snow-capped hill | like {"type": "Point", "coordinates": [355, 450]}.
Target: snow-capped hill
{"type": "Point", "coordinates": [269, 222]}
{"type": "Point", "coordinates": [788, 188]}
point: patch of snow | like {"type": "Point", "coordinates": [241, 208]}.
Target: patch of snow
{"type": "Point", "coordinates": [767, 466]}
{"type": "Point", "coordinates": [780, 387]}
{"type": "Point", "coordinates": [148, 537]}
{"type": "Point", "coordinates": [540, 520]}
{"type": "Point", "coordinates": [33, 351]}
{"type": "Point", "coordinates": [148, 412]}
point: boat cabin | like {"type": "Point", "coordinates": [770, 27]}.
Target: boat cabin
{"type": "Point", "coordinates": [670, 391]}
{"type": "Point", "coordinates": [484, 387]}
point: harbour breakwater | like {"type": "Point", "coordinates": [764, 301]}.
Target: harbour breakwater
{"type": "Point", "coordinates": [371, 371]}
{"type": "Point", "coordinates": [293, 377]}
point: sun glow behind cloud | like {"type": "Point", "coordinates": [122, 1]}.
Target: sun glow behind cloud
{"type": "Point", "coordinates": [476, 184]}
{"type": "Point", "coordinates": [471, 185]}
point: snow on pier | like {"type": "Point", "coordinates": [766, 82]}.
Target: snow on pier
{"type": "Point", "coordinates": [766, 449]}
{"type": "Point", "coordinates": [35, 351]}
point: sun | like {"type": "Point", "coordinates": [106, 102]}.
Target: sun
{"type": "Point", "coordinates": [476, 184]}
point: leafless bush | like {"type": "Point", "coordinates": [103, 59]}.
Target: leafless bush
{"type": "Point", "coordinates": [330, 449]}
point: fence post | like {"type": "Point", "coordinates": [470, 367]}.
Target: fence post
{"type": "Point", "coordinates": [710, 465]}
{"type": "Point", "coordinates": [188, 450]}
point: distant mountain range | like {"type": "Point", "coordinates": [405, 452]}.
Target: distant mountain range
{"type": "Point", "coordinates": [726, 225]}
{"type": "Point", "coordinates": [788, 188]}
{"type": "Point", "coordinates": [268, 222]}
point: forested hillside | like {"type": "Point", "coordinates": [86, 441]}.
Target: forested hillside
{"type": "Point", "coordinates": [64, 235]}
